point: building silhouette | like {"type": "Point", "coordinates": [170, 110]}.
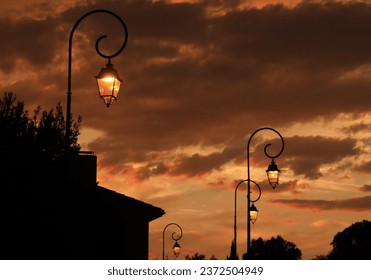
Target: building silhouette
{"type": "Point", "coordinates": [62, 213]}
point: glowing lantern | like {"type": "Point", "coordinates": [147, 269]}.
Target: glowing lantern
{"type": "Point", "coordinates": [273, 174]}
{"type": "Point", "coordinates": [109, 83]}
{"type": "Point", "coordinates": [176, 249]}
{"type": "Point", "coordinates": [253, 213]}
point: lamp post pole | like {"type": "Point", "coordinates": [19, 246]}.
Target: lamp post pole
{"type": "Point", "coordinates": [117, 80]}
{"type": "Point", "coordinates": [273, 175]}
{"type": "Point", "coordinates": [234, 252]}
{"type": "Point", "coordinates": [176, 247]}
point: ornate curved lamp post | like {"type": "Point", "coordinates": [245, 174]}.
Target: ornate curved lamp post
{"type": "Point", "coordinates": [176, 247]}
{"type": "Point", "coordinates": [273, 177]}
{"type": "Point", "coordinates": [108, 80]}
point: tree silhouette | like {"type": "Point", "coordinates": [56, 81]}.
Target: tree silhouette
{"type": "Point", "coordinates": [233, 254]}
{"type": "Point", "coordinates": [275, 248]}
{"type": "Point", "coordinates": [31, 143]}
{"type": "Point", "coordinates": [353, 243]}
{"type": "Point", "coordinates": [51, 134]}
{"type": "Point", "coordinates": [198, 256]}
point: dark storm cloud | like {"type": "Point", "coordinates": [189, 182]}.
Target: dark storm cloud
{"type": "Point", "coordinates": [353, 204]}
{"type": "Point", "coordinates": [31, 40]}
{"type": "Point", "coordinates": [197, 164]}
{"type": "Point", "coordinates": [364, 167]}
{"type": "Point", "coordinates": [193, 78]}
{"type": "Point", "coordinates": [361, 127]}
{"type": "Point", "coordinates": [313, 33]}
{"type": "Point", "coordinates": [152, 169]}
{"type": "Point", "coordinates": [306, 155]}
{"type": "Point", "coordinates": [188, 165]}
{"type": "Point", "coordinates": [365, 188]}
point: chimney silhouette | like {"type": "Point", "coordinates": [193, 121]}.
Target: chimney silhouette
{"type": "Point", "coordinates": [83, 169]}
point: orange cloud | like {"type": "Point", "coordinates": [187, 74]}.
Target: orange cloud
{"type": "Point", "coordinates": [351, 204]}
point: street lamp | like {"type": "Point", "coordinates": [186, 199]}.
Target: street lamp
{"type": "Point", "coordinates": [273, 176]}
{"type": "Point", "coordinates": [272, 173]}
{"type": "Point", "coordinates": [176, 247]}
{"type": "Point", "coordinates": [253, 214]}
{"type": "Point", "coordinates": [108, 80]}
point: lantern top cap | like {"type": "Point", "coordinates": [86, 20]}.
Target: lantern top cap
{"type": "Point", "coordinates": [253, 208]}
{"type": "Point", "coordinates": [108, 71]}
{"type": "Point", "coordinates": [176, 245]}
{"type": "Point", "coordinates": [273, 167]}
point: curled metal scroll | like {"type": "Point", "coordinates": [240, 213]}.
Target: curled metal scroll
{"type": "Point", "coordinates": [103, 36]}
{"type": "Point", "coordinates": [260, 192]}
{"type": "Point", "coordinates": [266, 147]}
{"type": "Point", "coordinates": [172, 236]}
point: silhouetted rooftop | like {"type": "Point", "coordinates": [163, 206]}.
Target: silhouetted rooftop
{"type": "Point", "coordinates": [128, 204]}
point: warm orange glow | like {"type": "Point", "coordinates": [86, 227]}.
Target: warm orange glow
{"type": "Point", "coordinates": [253, 213]}
{"type": "Point", "coordinates": [108, 79]}
{"type": "Point", "coordinates": [273, 176]}
{"type": "Point", "coordinates": [108, 84]}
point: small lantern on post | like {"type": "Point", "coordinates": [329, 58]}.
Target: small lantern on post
{"type": "Point", "coordinates": [273, 174]}
{"type": "Point", "coordinates": [253, 213]}
{"type": "Point", "coordinates": [176, 249]}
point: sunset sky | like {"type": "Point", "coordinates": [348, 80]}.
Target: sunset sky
{"type": "Point", "coordinates": [199, 77]}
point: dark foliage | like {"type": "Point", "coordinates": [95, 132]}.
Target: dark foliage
{"type": "Point", "coordinates": [198, 256]}
{"type": "Point", "coordinates": [353, 243]}
{"type": "Point", "coordinates": [233, 254]}
{"type": "Point", "coordinates": [275, 248]}
{"type": "Point", "coordinates": [30, 145]}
